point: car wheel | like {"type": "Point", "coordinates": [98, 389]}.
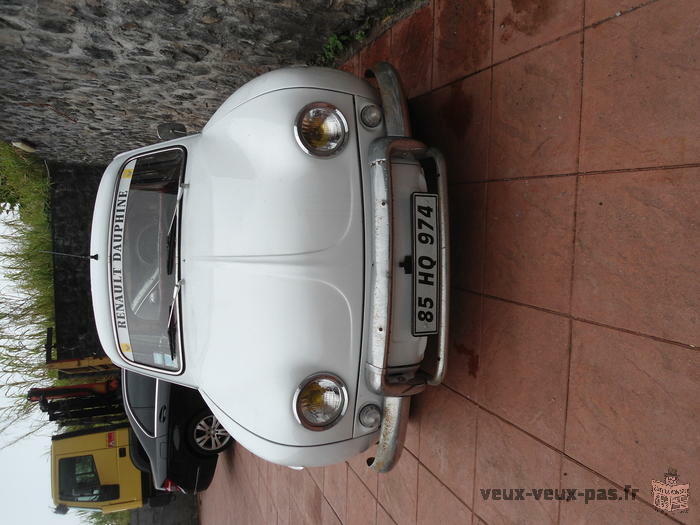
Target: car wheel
{"type": "Point", "coordinates": [207, 435]}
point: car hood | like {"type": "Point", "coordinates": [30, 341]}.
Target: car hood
{"type": "Point", "coordinates": [272, 266]}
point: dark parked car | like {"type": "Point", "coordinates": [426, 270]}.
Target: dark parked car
{"type": "Point", "coordinates": [179, 434]}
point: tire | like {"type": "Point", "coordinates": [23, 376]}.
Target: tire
{"type": "Point", "coordinates": [206, 435]}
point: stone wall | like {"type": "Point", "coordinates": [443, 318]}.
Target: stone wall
{"type": "Point", "coordinates": [87, 79]}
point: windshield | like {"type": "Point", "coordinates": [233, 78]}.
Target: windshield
{"type": "Point", "coordinates": [78, 480]}
{"type": "Point", "coordinates": [142, 286]}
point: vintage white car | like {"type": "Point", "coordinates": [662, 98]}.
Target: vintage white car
{"type": "Point", "coordinates": [290, 262]}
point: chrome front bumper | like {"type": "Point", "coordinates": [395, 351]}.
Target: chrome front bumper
{"type": "Point", "coordinates": [397, 385]}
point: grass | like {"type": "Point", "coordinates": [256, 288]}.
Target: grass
{"type": "Point", "coordinates": [98, 518]}
{"type": "Point", "coordinates": [338, 44]}
{"type": "Point", "coordinates": [24, 191]}
{"type": "Point", "coordinates": [26, 283]}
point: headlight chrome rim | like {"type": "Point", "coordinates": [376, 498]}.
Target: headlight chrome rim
{"type": "Point", "coordinates": [344, 400]}
{"type": "Point", "coordinates": [303, 143]}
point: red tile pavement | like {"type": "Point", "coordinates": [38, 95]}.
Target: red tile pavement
{"type": "Point", "coordinates": [459, 51]}
{"type": "Point", "coordinates": [524, 368]}
{"type": "Point", "coordinates": [352, 65]}
{"type": "Point", "coordinates": [369, 477]}
{"type": "Point", "coordinates": [412, 51]}
{"type": "Point", "coordinates": [447, 438]}
{"type": "Point", "coordinates": [363, 507]}
{"type": "Point", "coordinates": [508, 458]}
{"type": "Point", "coordinates": [648, 223]}
{"type": "Point", "coordinates": [328, 517]}
{"type": "Point", "coordinates": [376, 51]}
{"type": "Point", "coordinates": [456, 119]}
{"type": "Point", "coordinates": [597, 10]}
{"type": "Point", "coordinates": [436, 504]}
{"type": "Point", "coordinates": [536, 105]}
{"type": "Point", "coordinates": [613, 511]}
{"type": "Point", "coordinates": [523, 24]}
{"type": "Point", "coordinates": [574, 162]}
{"type": "Point", "coordinates": [383, 517]}
{"type": "Point", "coordinates": [463, 355]}
{"type": "Point", "coordinates": [468, 230]}
{"type": "Point", "coordinates": [335, 487]}
{"type": "Point", "coordinates": [633, 408]}
{"type": "Point", "coordinates": [639, 102]}
{"type": "Point", "coordinates": [398, 490]}
{"type": "Point", "coordinates": [529, 241]}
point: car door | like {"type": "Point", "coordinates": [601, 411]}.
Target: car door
{"type": "Point", "coordinates": [148, 402]}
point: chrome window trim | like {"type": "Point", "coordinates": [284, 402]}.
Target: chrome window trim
{"type": "Point", "coordinates": [181, 355]}
{"type": "Point", "coordinates": [127, 406]}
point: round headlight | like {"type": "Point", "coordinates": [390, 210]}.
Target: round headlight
{"type": "Point", "coordinates": [321, 129]}
{"type": "Point", "coordinates": [320, 401]}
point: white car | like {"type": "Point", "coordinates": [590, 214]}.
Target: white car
{"type": "Point", "coordinates": [290, 262]}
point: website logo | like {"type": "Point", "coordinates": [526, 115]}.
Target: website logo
{"type": "Point", "coordinates": [670, 495]}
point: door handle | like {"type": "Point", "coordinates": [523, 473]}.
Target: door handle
{"type": "Point", "coordinates": [162, 413]}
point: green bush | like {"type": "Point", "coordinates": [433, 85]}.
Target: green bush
{"type": "Point", "coordinates": [27, 305]}
{"type": "Point", "coordinates": [98, 518]}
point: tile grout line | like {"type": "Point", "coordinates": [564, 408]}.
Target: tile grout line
{"type": "Point", "coordinates": [484, 218]}
{"type": "Point", "coordinates": [345, 510]}
{"type": "Point", "coordinates": [433, 58]}
{"type": "Point", "coordinates": [384, 509]}
{"type": "Point", "coordinates": [476, 456]}
{"type": "Point", "coordinates": [432, 47]}
{"type": "Point", "coordinates": [581, 84]}
{"type": "Point", "coordinates": [417, 486]}
{"type": "Point", "coordinates": [622, 13]}
{"type": "Point", "coordinates": [573, 248]}
{"type": "Point", "coordinates": [664, 167]}
{"type": "Point", "coordinates": [449, 489]}
{"type": "Point", "coordinates": [348, 469]}
{"type": "Point", "coordinates": [638, 498]}
{"type": "Point", "coordinates": [573, 255]}
{"type": "Point", "coordinates": [365, 484]}
{"type": "Point", "coordinates": [670, 167]}
{"type": "Point", "coordinates": [484, 229]}
{"type": "Point", "coordinates": [545, 44]}
{"type": "Point", "coordinates": [563, 454]}
{"type": "Point", "coordinates": [566, 409]}
{"type": "Point", "coordinates": [582, 319]}
{"type": "Point", "coordinates": [376, 498]}
{"type": "Point", "coordinates": [325, 498]}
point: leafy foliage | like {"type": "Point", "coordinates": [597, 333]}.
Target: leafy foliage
{"type": "Point", "coordinates": [99, 518]}
{"type": "Point", "coordinates": [332, 49]}
{"type": "Point", "coordinates": [26, 291]}
{"type": "Point", "coordinates": [336, 45]}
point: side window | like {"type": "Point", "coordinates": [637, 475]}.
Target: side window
{"type": "Point", "coordinates": [78, 479]}
{"type": "Point", "coordinates": [141, 397]}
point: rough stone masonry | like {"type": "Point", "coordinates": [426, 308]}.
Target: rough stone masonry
{"type": "Point", "coordinates": [87, 79]}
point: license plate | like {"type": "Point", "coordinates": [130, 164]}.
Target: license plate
{"type": "Point", "coordinates": [426, 263]}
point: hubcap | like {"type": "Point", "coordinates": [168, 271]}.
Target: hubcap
{"type": "Point", "coordinates": [210, 435]}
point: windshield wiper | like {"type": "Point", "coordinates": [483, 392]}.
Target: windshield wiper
{"type": "Point", "coordinates": [170, 244]}
{"type": "Point", "coordinates": [172, 231]}
{"type": "Point", "coordinates": [172, 326]}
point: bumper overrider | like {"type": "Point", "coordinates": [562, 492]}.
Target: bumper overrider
{"type": "Point", "coordinates": [397, 385]}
